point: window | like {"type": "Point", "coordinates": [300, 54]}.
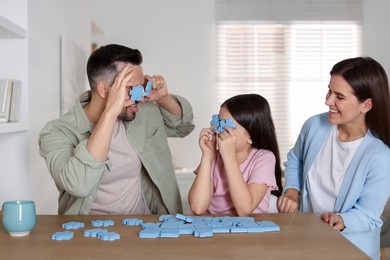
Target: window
{"type": "Point", "coordinates": [287, 61]}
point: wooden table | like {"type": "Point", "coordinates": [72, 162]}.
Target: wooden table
{"type": "Point", "coordinates": [301, 236]}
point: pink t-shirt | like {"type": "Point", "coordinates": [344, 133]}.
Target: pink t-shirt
{"type": "Point", "coordinates": [258, 168]}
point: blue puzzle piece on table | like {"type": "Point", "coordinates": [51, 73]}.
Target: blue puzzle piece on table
{"type": "Point", "coordinates": [64, 235]}
{"type": "Point", "coordinates": [150, 233]}
{"type": "Point", "coordinates": [132, 221]}
{"type": "Point", "coordinates": [268, 226]}
{"type": "Point", "coordinates": [203, 232]}
{"type": "Point", "coordinates": [94, 232]}
{"type": "Point", "coordinates": [185, 218]}
{"type": "Point", "coordinates": [73, 225]}
{"type": "Point", "coordinates": [102, 223]}
{"type": "Point", "coordinates": [220, 124]}
{"type": "Point", "coordinates": [150, 225]}
{"type": "Point", "coordinates": [169, 232]}
{"type": "Point", "coordinates": [109, 236]}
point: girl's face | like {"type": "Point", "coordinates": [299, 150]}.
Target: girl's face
{"type": "Point", "coordinates": [344, 107]}
{"type": "Point", "coordinates": [243, 139]}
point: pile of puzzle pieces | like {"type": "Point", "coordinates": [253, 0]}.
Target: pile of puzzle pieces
{"type": "Point", "coordinates": [203, 226]}
{"type": "Point", "coordinates": [173, 226]}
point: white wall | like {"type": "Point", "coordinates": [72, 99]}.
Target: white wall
{"type": "Point", "coordinates": [48, 20]}
{"type": "Point", "coordinates": [14, 155]}
{"type": "Point", "coordinates": [376, 33]}
{"type": "Point", "coordinates": [177, 40]}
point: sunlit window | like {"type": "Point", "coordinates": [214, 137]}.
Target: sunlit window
{"type": "Point", "coordinates": [287, 62]}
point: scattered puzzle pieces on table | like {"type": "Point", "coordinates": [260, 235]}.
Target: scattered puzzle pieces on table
{"type": "Point", "coordinates": [65, 235]}
{"type": "Point", "coordinates": [73, 225]}
{"type": "Point", "coordinates": [203, 226]}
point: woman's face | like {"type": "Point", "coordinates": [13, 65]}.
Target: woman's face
{"type": "Point", "coordinates": [344, 107]}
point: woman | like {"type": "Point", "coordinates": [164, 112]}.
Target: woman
{"type": "Point", "coordinates": [340, 164]}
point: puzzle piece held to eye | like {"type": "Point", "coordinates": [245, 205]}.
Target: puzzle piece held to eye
{"type": "Point", "coordinates": [137, 92]}
{"type": "Point", "coordinates": [148, 88]}
{"type": "Point", "coordinates": [215, 122]}
{"type": "Point", "coordinates": [220, 124]}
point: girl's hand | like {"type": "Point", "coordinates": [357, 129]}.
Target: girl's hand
{"type": "Point", "coordinates": [207, 142]}
{"type": "Point", "coordinates": [227, 143]}
{"type": "Point", "coordinates": [334, 220]}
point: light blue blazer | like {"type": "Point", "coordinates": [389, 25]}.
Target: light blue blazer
{"type": "Point", "coordinates": [365, 187]}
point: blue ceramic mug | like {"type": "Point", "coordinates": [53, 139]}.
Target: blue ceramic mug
{"type": "Point", "coordinates": [19, 217]}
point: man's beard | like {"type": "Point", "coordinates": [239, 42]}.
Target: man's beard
{"type": "Point", "coordinates": [125, 117]}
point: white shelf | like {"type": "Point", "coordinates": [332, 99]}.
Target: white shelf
{"type": "Point", "coordinates": [10, 30]}
{"type": "Point", "coordinates": [13, 127]}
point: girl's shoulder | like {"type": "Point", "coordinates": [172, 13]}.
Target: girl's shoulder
{"type": "Point", "coordinates": [261, 154]}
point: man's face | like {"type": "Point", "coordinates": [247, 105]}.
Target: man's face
{"type": "Point", "coordinates": [128, 113]}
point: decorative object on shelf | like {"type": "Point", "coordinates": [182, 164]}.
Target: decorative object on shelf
{"type": "Point", "coordinates": [73, 76]}
{"type": "Point", "coordinates": [9, 100]}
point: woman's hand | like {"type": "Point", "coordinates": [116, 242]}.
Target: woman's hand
{"type": "Point", "coordinates": [334, 220]}
{"type": "Point", "coordinates": [288, 202]}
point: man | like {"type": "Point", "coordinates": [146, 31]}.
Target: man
{"type": "Point", "coordinates": [109, 154]}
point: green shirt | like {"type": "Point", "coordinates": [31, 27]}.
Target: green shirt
{"type": "Point", "coordinates": [77, 173]}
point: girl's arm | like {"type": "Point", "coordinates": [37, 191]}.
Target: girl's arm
{"type": "Point", "coordinates": [201, 191]}
{"type": "Point", "coordinates": [245, 197]}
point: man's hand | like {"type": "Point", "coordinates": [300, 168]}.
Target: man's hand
{"type": "Point", "coordinates": [159, 88]}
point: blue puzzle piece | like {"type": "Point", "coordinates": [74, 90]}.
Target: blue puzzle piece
{"type": "Point", "coordinates": [132, 221]}
{"type": "Point", "coordinates": [203, 232]}
{"type": "Point", "coordinates": [73, 225]}
{"type": "Point", "coordinates": [215, 122]}
{"type": "Point", "coordinates": [150, 233]}
{"type": "Point", "coordinates": [170, 232]}
{"type": "Point", "coordinates": [94, 232]}
{"type": "Point", "coordinates": [148, 88]}
{"type": "Point", "coordinates": [102, 223]}
{"type": "Point", "coordinates": [65, 235]}
{"type": "Point", "coordinates": [109, 236]}
{"type": "Point", "coordinates": [185, 218]}
{"type": "Point", "coordinates": [220, 124]}
{"type": "Point", "coordinates": [136, 93]}
{"type": "Point", "coordinates": [268, 226]}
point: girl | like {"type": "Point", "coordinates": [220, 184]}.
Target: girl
{"type": "Point", "coordinates": [238, 177]}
